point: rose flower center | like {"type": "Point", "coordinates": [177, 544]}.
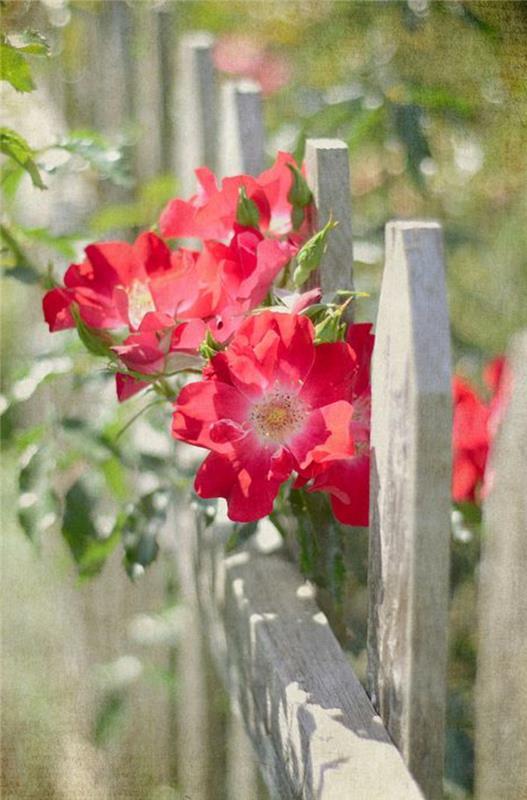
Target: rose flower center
{"type": "Point", "coordinates": [139, 302]}
{"type": "Point", "coordinates": [278, 416]}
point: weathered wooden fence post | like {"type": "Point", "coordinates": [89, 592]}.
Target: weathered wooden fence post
{"type": "Point", "coordinates": [148, 91]}
{"type": "Point", "coordinates": [328, 175]}
{"type": "Point", "coordinates": [195, 109]}
{"type": "Point", "coordinates": [241, 129]}
{"type": "Point", "coordinates": [195, 135]}
{"type": "Point", "coordinates": [410, 500]}
{"type": "Point", "coordinates": [501, 689]}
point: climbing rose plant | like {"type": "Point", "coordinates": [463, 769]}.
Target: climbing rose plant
{"type": "Point", "coordinates": [265, 375]}
{"type": "Point", "coordinates": [271, 380]}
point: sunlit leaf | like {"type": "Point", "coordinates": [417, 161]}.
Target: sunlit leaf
{"type": "Point", "coordinates": [38, 504]}
{"type": "Point", "coordinates": [14, 68]}
{"type": "Point", "coordinates": [16, 147]}
{"type": "Point", "coordinates": [95, 341]}
{"type": "Point", "coordinates": [29, 41]}
{"type": "Point", "coordinates": [310, 255]}
{"type": "Point", "coordinates": [107, 158]}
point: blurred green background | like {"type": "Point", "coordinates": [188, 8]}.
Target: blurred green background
{"type": "Point", "coordinates": [431, 99]}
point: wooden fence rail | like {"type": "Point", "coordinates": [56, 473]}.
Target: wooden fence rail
{"type": "Point", "coordinates": [314, 729]}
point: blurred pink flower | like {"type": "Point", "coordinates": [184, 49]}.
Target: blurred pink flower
{"type": "Point", "coordinates": [244, 56]}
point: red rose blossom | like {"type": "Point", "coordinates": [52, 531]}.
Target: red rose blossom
{"type": "Point", "coordinates": [347, 480]}
{"type": "Point", "coordinates": [211, 213]}
{"type": "Point", "coordinates": [116, 284]}
{"type": "Point", "coordinates": [470, 441]}
{"type": "Point", "coordinates": [475, 425]}
{"type": "Point", "coordinates": [271, 403]}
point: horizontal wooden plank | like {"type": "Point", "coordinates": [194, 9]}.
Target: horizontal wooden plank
{"type": "Point", "coordinates": [310, 720]}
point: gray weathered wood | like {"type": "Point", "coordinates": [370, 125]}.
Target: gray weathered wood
{"type": "Point", "coordinates": [148, 100]}
{"type": "Point", "coordinates": [195, 109]}
{"type": "Point", "coordinates": [309, 719]}
{"type": "Point", "coordinates": [241, 129]}
{"type": "Point", "coordinates": [501, 690]}
{"type": "Point", "coordinates": [328, 176]}
{"type": "Point", "coordinates": [410, 499]}
{"type": "Point", "coordinates": [242, 769]}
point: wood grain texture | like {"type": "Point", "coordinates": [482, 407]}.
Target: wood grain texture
{"type": "Point", "coordinates": [328, 176]}
{"type": "Point", "coordinates": [410, 499]}
{"type": "Point", "coordinates": [501, 691]}
{"type": "Point", "coordinates": [148, 87]}
{"type": "Point", "coordinates": [309, 719]}
{"type": "Point", "coordinates": [241, 129]}
{"type": "Point", "coordinates": [195, 109]}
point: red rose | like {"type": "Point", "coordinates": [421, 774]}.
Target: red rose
{"type": "Point", "coordinates": [271, 403]}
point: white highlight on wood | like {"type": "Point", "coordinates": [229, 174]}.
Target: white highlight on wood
{"type": "Point", "coordinates": [501, 689]}
{"type": "Point", "coordinates": [195, 109]}
{"type": "Point", "coordinates": [328, 176]}
{"type": "Point", "coordinates": [410, 499]}
{"type": "Point", "coordinates": [309, 719]}
{"type": "Point", "coordinates": [241, 129]}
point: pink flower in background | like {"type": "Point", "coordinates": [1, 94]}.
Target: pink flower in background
{"type": "Point", "coordinates": [245, 56]}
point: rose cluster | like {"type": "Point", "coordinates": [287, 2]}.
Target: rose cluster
{"type": "Point", "coordinates": [284, 385]}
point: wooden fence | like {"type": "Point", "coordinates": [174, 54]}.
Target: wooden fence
{"type": "Point", "coordinates": [315, 730]}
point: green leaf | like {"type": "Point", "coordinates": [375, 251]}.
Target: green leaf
{"type": "Point", "coordinates": [140, 528]}
{"type": "Point", "coordinates": [27, 275]}
{"type": "Point", "coordinates": [115, 476]}
{"type": "Point", "coordinates": [109, 717]}
{"type": "Point", "coordinates": [247, 213]}
{"type": "Point", "coordinates": [16, 147]}
{"type": "Point", "coordinates": [107, 158]}
{"type": "Point", "coordinates": [14, 68]}
{"type": "Point", "coordinates": [65, 245]}
{"type": "Point", "coordinates": [29, 41]}
{"type": "Point", "coordinates": [38, 505]}
{"type": "Point", "coordinates": [320, 539]}
{"type": "Point", "coordinates": [408, 125]}
{"type": "Point", "coordinates": [241, 532]}
{"type": "Point", "coordinates": [11, 173]}
{"type": "Point", "coordinates": [310, 255]}
{"type": "Point", "coordinates": [88, 548]}
{"type": "Point", "coordinates": [299, 196]}
{"type": "Point", "coordinates": [95, 341]}
{"type": "Point", "coordinates": [209, 346]}
{"type": "Point", "coordinates": [330, 329]}
{"type": "Point", "coordinates": [437, 98]}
